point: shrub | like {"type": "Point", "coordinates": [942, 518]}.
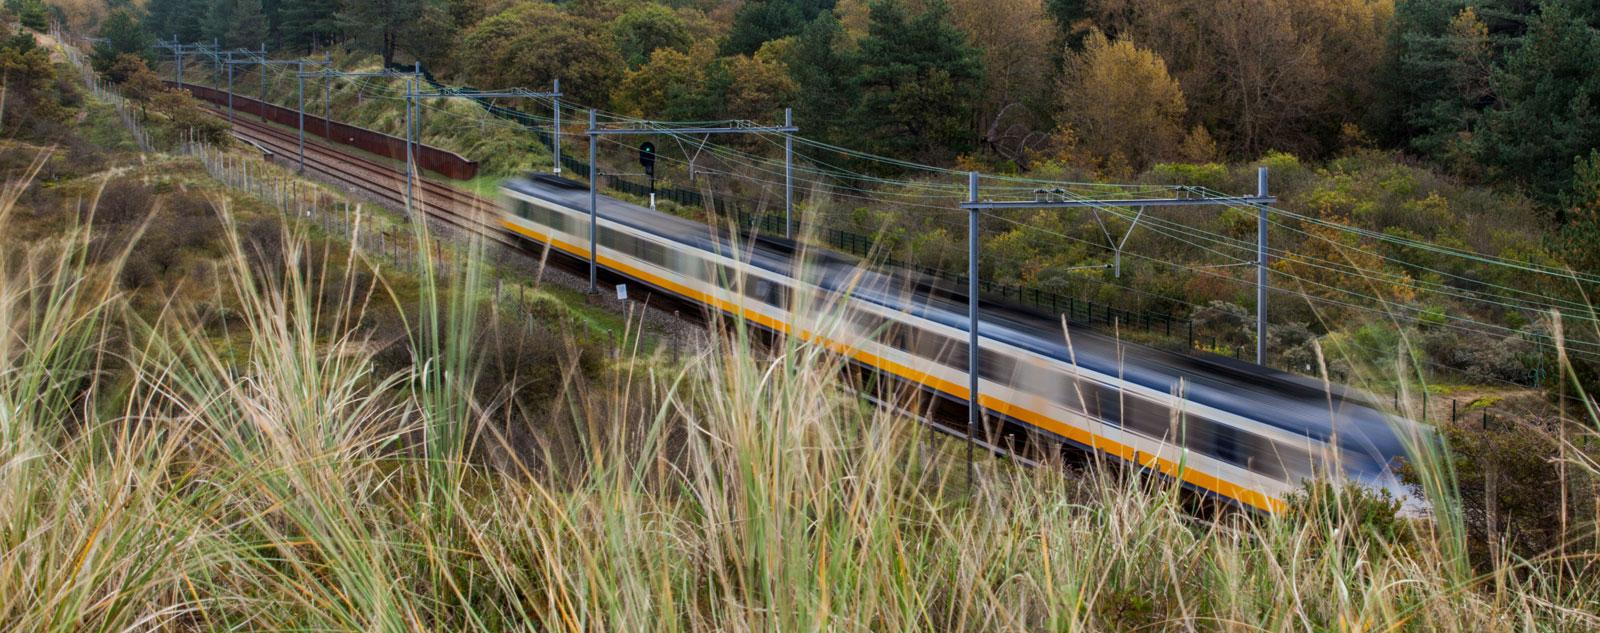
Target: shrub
{"type": "Point", "coordinates": [1228, 323]}
{"type": "Point", "coordinates": [122, 201]}
{"type": "Point", "coordinates": [1211, 175]}
{"type": "Point", "coordinates": [1509, 476]}
{"type": "Point", "coordinates": [1478, 357]}
{"type": "Point", "coordinates": [1292, 343]}
{"type": "Point", "coordinates": [1373, 514]}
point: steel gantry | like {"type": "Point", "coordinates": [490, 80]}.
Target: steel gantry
{"type": "Point", "coordinates": [1059, 199]}
{"type": "Point", "coordinates": [411, 140]}
{"type": "Point", "coordinates": [554, 94]}
{"type": "Point", "coordinates": [179, 49]}
{"type": "Point", "coordinates": [251, 58]}
{"type": "Point", "coordinates": [595, 132]}
{"type": "Point", "coordinates": [263, 63]}
{"type": "Point", "coordinates": [259, 60]}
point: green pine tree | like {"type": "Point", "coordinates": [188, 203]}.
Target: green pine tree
{"type": "Point", "coordinates": [303, 24]}
{"type": "Point", "coordinates": [760, 21]}
{"type": "Point", "coordinates": [824, 67]}
{"type": "Point", "coordinates": [918, 81]}
{"type": "Point", "coordinates": [1418, 105]}
{"type": "Point", "coordinates": [1067, 14]}
{"type": "Point", "coordinates": [121, 34]}
{"type": "Point", "coordinates": [184, 19]}
{"type": "Point", "coordinates": [1548, 113]}
{"type": "Point", "coordinates": [236, 23]}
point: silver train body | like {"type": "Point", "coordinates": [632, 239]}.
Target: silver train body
{"type": "Point", "coordinates": [1227, 428]}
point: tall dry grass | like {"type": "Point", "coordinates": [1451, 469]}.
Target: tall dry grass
{"type": "Point", "coordinates": [156, 475]}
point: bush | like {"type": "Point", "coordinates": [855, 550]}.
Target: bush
{"type": "Point", "coordinates": [1373, 514]}
{"type": "Point", "coordinates": [1509, 476]}
{"type": "Point", "coordinates": [523, 363]}
{"type": "Point", "coordinates": [1293, 343]}
{"type": "Point", "coordinates": [1478, 357]}
{"type": "Point", "coordinates": [1229, 323]}
{"type": "Point", "coordinates": [122, 201]}
{"type": "Point", "coordinates": [262, 242]}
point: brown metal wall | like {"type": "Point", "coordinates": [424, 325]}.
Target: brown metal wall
{"type": "Point", "coordinates": [446, 163]}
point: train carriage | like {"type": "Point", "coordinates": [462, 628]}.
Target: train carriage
{"type": "Point", "coordinates": [1228, 428]}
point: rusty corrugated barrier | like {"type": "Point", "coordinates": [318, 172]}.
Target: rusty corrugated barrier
{"type": "Point", "coordinates": [442, 162]}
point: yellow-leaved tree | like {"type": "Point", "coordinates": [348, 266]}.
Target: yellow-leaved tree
{"type": "Point", "coordinates": [1120, 103]}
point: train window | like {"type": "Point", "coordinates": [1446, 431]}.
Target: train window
{"type": "Point", "coordinates": [887, 332]}
{"type": "Point", "coordinates": [1280, 460]}
{"type": "Point", "coordinates": [721, 275]}
{"type": "Point", "coordinates": [541, 215]}
{"type": "Point", "coordinates": [867, 323]}
{"type": "Point", "coordinates": [1069, 394]}
{"type": "Point", "coordinates": [1105, 403]}
{"type": "Point", "coordinates": [1217, 440]}
{"type": "Point", "coordinates": [766, 291]}
{"type": "Point", "coordinates": [699, 268]}
{"type": "Point", "coordinates": [1226, 445]}
{"type": "Point", "coordinates": [619, 241]}
{"type": "Point", "coordinates": [1148, 417]}
{"type": "Point", "coordinates": [652, 252]}
{"type": "Point", "coordinates": [995, 365]}
{"type": "Point", "coordinates": [941, 349]}
{"type": "Point", "coordinates": [690, 264]}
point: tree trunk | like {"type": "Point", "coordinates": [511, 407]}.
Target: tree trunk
{"type": "Point", "coordinates": [388, 47]}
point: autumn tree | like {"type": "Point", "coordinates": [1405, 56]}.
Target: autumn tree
{"type": "Point", "coordinates": [698, 85]}
{"type": "Point", "coordinates": [532, 43]}
{"type": "Point", "coordinates": [138, 82]}
{"type": "Point", "coordinates": [644, 28]}
{"type": "Point", "coordinates": [33, 98]}
{"type": "Point", "coordinates": [1016, 40]}
{"type": "Point", "coordinates": [759, 86]}
{"type": "Point", "coordinates": [1120, 102]}
{"type": "Point", "coordinates": [1263, 74]}
{"type": "Point", "coordinates": [917, 75]}
{"type": "Point", "coordinates": [672, 85]}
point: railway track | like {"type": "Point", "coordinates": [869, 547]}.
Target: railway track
{"type": "Point", "coordinates": [475, 214]}
{"type": "Point", "coordinates": [439, 202]}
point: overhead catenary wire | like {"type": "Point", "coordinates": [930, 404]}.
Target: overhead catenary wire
{"type": "Point", "coordinates": [922, 194]}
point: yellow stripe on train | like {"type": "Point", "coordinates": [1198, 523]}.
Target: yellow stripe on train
{"type": "Point", "coordinates": [1168, 467]}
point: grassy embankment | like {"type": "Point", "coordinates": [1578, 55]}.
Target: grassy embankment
{"type": "Point", "coordinates": [234, 451]}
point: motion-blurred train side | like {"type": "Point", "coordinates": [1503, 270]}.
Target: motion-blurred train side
{"type": "Point", "coordinates": [1236, 430]}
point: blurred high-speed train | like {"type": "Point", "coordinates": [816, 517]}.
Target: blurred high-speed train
{"type": "Point", "coordinates": [1228, 428]}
